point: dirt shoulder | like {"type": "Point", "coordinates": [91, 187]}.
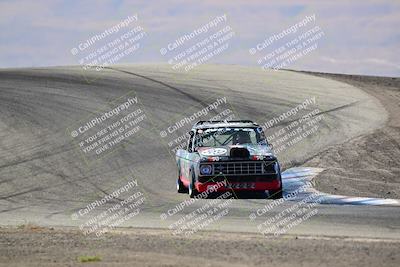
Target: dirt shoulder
{"type": "Point", "coordinates": [368, 165]}
{"type": "Point", "coordinates": [35, 246]}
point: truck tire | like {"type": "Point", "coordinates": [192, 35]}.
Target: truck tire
{"type": "Point", "coordinates": [180, 187]}
{"type": "Point", "coordinates": [276, 194]}
{"type": "Point", "coordinates": [192, 189]}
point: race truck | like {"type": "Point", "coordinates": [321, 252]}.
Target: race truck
{"type": "Point", "coordinates": [228, 155]}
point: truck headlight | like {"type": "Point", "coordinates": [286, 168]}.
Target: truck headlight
{"type": "Point", "coordinates": [205, 169]}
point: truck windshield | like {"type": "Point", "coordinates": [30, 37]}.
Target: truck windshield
{"type": "Point", "coordinates": [229, 136]}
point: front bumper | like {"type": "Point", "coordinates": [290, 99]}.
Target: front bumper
{"type": "Point", "coordinates": [238, 186]}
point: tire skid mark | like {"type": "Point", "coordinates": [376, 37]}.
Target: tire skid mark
{"type": "Point", "coordinates": [190, 96]}
{"type": "Point", "coordinates": [328, 112]}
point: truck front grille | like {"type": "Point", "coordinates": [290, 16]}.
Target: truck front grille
{"type": "Point", "coordinates": [244, 168]}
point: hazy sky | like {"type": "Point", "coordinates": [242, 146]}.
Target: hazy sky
{"type": "Point", "coordinates": [360, 37]}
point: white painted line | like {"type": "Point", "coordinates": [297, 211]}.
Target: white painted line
{"type": "Point", "coordinates": [297, 183]}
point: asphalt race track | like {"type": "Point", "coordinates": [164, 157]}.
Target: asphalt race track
{"type": "Point", "coordinates": [46, 180]}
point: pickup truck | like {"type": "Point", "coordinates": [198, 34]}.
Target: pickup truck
{"type": "Point", "coordinates": [228, 155]}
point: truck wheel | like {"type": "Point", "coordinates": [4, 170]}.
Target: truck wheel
{"type": "Point", "coordinates": [180, 187]}
{"type": "Point", "coordinates": [192, 189]}
{"type": "Point", "coordinates": [276, 194]}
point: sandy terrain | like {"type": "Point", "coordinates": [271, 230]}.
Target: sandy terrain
{"type": "Point", "coordinates": [142, 247]}
{"type": "Point", "coordinates": [368, 165]}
